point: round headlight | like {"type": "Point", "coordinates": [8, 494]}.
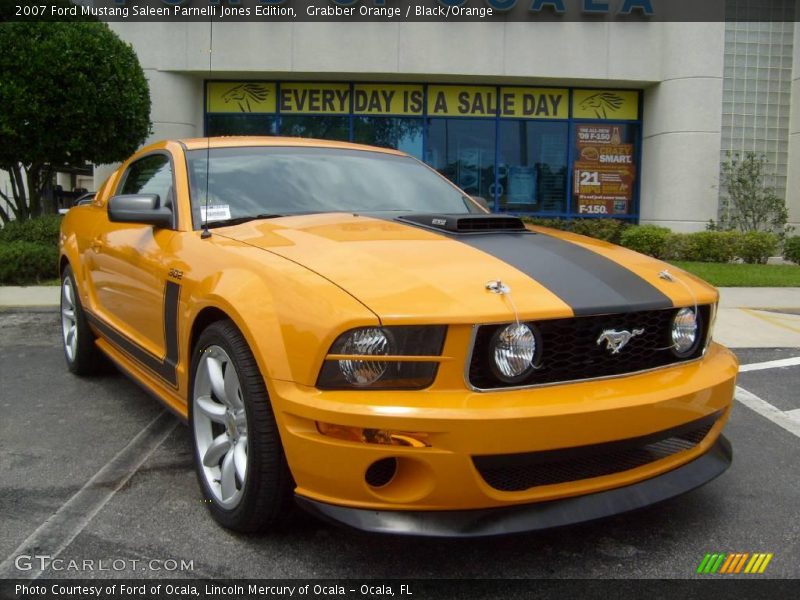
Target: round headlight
{"type": "Point", "coordinates": [370, 341]}
{"type": "Point", "coordinates": [684, 332]}
{"type": "Point", "coordinates": [513, 349]}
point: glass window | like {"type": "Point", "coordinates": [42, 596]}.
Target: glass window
{"type": "Point", "coordinates": [241, 124]}
{"type": "Point", "coordinates": [291, 180]}
{"type": "Point", "coordinates": [150, 175]}
{"type": "Point", "coordinates": [604, 168]}
{"type": "Point", "coordinates": [532, 166]}
{"type": "Point", "coordinates": [402, 134]}
{"type": "Point", "coordinates": [321, 127]}
{"type": "Point", "coordinates": [463, 150]}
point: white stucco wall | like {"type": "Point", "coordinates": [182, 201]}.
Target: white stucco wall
{"type": "Point", "coordinates": [679, 65]}
{"type": "Point", "coordinates": [682, 129]}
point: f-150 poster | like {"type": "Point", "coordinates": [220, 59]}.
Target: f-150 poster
{"type": "Point", "coordinates": [604, 171]}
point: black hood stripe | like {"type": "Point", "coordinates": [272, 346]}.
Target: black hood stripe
{"type": "Point", "coordinates": [588, 282]}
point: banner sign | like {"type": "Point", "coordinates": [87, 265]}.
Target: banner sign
{"type": "Point", "coordinates": [604, 171]}
{"type": "Point", "coordinates": [616, 105]}
{"type": "Point", "coordinates": [410, 100]}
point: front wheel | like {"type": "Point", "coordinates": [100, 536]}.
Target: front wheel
{"type": "Point", "coordinates": [83, 357]}
{"type": "Point", "coordinates": [238, 454]}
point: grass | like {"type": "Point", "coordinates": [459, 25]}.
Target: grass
{"type": "Point", "coordinates": [741, 275]}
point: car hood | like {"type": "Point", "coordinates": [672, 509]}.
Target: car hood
{"type": "Point", "coordinates": [404, 272]}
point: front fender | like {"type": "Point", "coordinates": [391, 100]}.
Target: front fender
{"type": "Point", "coordinates": [288, 314]}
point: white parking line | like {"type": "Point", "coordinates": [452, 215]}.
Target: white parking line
{"type": "Point", "coordinates": [770, 364]}
{"type": "Point", "coordinates": [794, 414]}
{"type": "Point", "coordinates": [58, 531]}
{"type": "Point", "coordinates": [765, 409]}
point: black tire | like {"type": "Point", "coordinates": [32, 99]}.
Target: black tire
{"type": "Point", "coordinates": [266, 495]}
{"type": "Point", "coordinates": [86, 358]}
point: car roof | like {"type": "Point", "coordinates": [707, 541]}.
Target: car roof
{"type": "Point", "coordinates": [250, 141]}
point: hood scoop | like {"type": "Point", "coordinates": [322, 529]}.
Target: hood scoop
{"type": "Point", "coordinates": [466, 223]}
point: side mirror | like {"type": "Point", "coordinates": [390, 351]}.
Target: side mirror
{"type": "Point", "coordinates": [139, 208]}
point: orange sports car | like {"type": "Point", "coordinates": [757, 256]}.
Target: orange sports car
{"type": "Point", "coordinates": [341, 326]}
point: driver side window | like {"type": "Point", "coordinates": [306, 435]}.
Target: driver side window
{"type": "Point", "coordinates": [151, 175]}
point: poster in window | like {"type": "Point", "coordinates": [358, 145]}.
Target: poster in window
{"type": "Point", "coordinates": [604, 171]}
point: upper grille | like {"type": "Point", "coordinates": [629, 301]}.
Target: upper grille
{"type": "Point", "coordinates": [518, 472]}
{"type": "Point", "coordinates": [570, 352]}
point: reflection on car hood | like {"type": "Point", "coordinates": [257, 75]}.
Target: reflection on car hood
{"type": "Point", "coordinates": [403, 272]}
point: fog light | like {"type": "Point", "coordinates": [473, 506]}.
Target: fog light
{"type": "Point", "coordinates": [412, 439]}
{"type": "Point", "coordinates": [684, 332]}
{"type": "Point", "coordinates": [514, 349]}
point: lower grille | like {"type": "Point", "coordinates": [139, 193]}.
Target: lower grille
{"type": "Point", "coordinates": [519, 472]}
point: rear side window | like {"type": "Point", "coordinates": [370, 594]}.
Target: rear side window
{"type": "Point", "coordinates": [150, 175]}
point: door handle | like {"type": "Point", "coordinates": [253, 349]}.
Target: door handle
{"type": "Point", "coordinates": [96, 244]}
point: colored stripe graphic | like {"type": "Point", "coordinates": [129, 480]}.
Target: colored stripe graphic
{"type": "Point", "coordinates": [735, 563]}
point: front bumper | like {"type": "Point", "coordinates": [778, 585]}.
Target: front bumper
{"type": "Point", "coordinates": [462, 426]}
{"type": "Point", "coordinates": [532, 517]}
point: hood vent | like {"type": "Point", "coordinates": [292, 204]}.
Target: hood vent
{"type": "Point", "coordinates": [466, 223]}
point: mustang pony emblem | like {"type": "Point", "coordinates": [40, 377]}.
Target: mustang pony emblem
{"type": "Point", "coordinates": [616, 340]}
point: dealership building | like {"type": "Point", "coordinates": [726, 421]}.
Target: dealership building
{"type": "Point", "coordinates": [574, 118]}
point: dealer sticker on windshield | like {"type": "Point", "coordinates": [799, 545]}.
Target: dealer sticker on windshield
{"type": "Point", "coordinates": [215, 212]}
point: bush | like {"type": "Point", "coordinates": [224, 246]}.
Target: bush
{"type": "Point", "coordinates": [791, 249]}
{"type": "Point", "coordinates": [41, 230]}
{"type": "Point", "coordinates": [25, 262]}
{"type": "Point", "coordinates": [755, 247]}
{"type": "Point", "coordinates": [610, 230]}
{"type": "Point", "coordinates": [704, 246]}
{"type": "Point", "coordinates": [647, 239]}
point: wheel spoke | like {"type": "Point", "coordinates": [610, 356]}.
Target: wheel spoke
{"type": "Point", "coordinates": [216, 450]}
{"type": "Point", "coordinates": [240, 459]}
{"type": "Point", "coordinates": [68, 313]}
{"type": "Point", "coordinates": [232, 387]}
{"type": "Point", "coordinates": [214, 367]}
{"type": "Point", "coordinates": [68, 294]}
{"type": "Point", "coordinates": [228, 482]}
{"type": "Point", "coordinates": [211, 409]}
{"type": "Point", "coordinates": [71, 335]}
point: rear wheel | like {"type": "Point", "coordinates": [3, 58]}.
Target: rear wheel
{"type": "Point", "coordinates": [238, 455]}
{"type": "Point", "coordinates": [83, 357]}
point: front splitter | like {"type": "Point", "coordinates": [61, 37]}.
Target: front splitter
{"type": "Point", "coordinates": [532, 517]}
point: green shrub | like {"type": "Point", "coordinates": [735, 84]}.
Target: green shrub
{"type": "Point", "coordinates": [791, 249]}
{"type": "Point", "coordinates": [755, 247]}
{"type": "Point", "coordinates": [710, 246]}
{"type": "Point", "coordinates": [647, 239]}
{"type": "Point", "coordinates": [24, 262]}
{"type": "Point", "coordinates": [610, 230]}
{"type": "Point", "coordinates": [41, 230]}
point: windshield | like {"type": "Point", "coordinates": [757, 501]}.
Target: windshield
{"type": "Point", "coordinates": [271, 181]}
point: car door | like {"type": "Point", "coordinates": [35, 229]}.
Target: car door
{"type": "Point", "coordinates": [136, 300]}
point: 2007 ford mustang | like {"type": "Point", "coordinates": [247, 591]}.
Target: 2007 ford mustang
{"type": "Point", "coordinates": [342, 327]}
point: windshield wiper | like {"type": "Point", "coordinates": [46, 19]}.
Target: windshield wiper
{"type": "Point", "coordinates": [240, 220]}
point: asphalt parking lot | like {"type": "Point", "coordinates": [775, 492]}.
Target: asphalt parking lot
{"type": "Point", "coordinates": [57, 432]}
